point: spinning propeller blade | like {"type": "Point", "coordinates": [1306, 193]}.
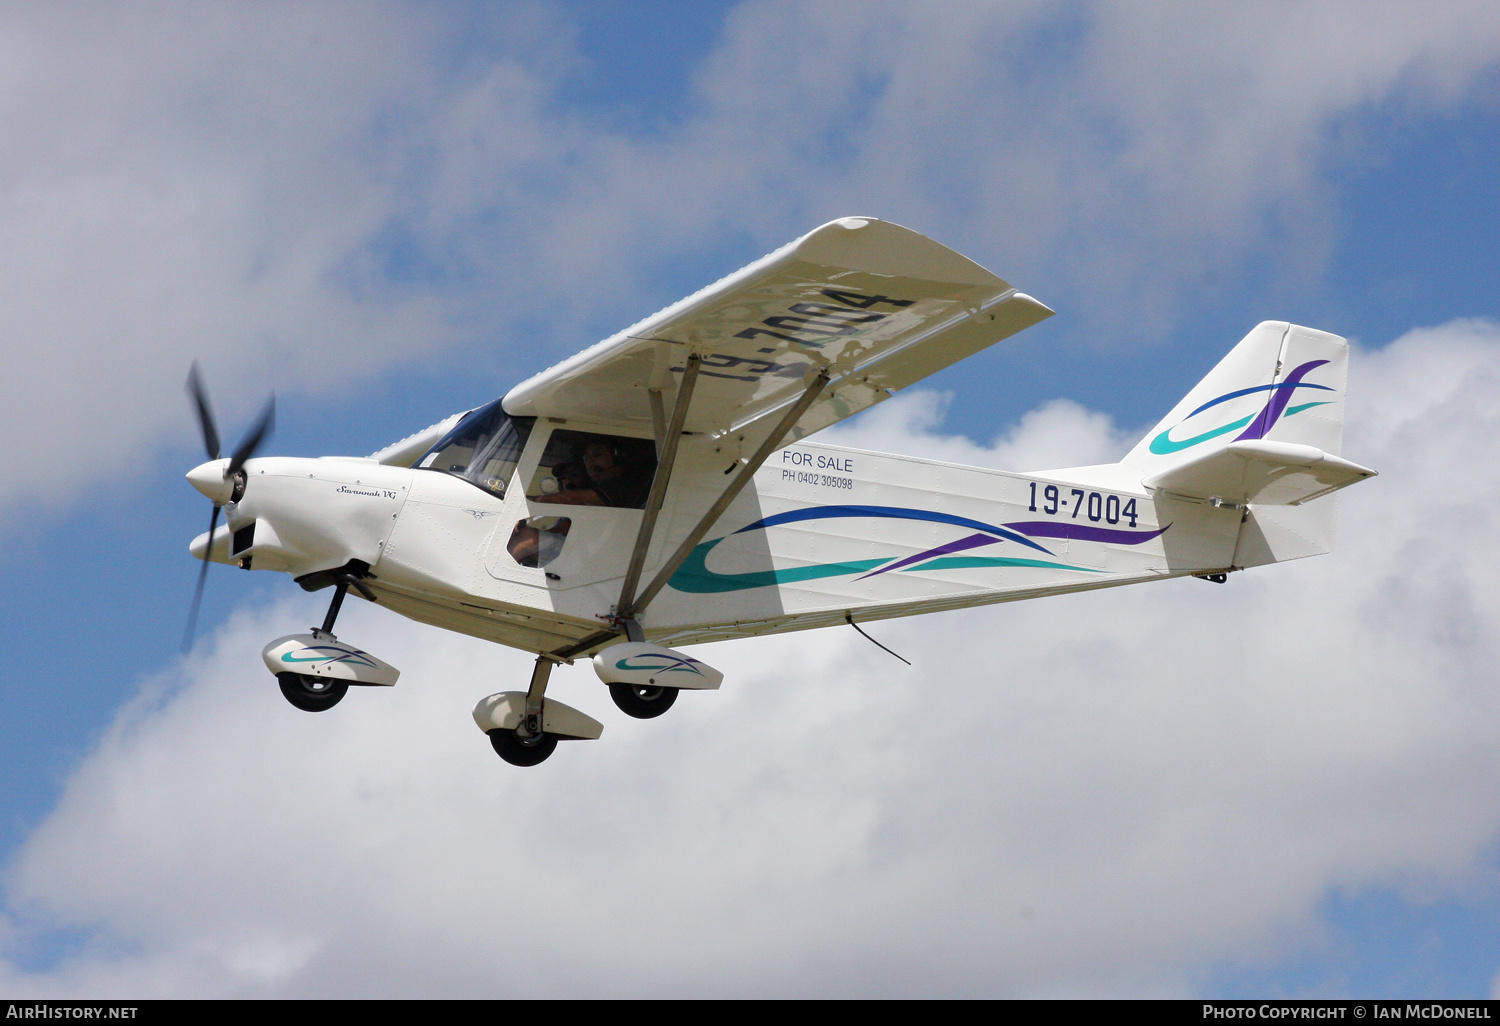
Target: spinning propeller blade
{"type": "Point", "coordinates": [205, 413]}
{"type": "Point", "coordinates": [257, 434]}
{"type": "Point", "coordinates": [192, 624]}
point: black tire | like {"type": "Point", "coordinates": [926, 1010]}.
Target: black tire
{"type": "Point", "coordinates": [521, 753]}
{"type": "Point", "coordinates": [642, 702]}
{"type": "Point", "coordinates": [311, 694]}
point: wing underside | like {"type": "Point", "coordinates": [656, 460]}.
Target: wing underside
{"type": "Point", "coordinates": [876, 305]}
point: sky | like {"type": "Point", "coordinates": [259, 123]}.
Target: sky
{"type": "Point", "coordinates": [387, 213]}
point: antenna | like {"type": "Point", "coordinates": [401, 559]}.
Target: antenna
{"type": "Point", "coordinates": [850, 618]}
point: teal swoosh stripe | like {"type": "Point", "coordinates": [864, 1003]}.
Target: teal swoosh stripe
{"type": "Point", "coordinates": [1305, 406]}
{"type": "Point", "coordinates": [965, 562]}
{"type": "Point", "coordinates": [1161, 445]}
{"type": "Point", "coordinates": [696, 578]}
{"type": "Point", "coordinates": [341, 657]}
{"type": "Point", "coordinates": [677, 666]}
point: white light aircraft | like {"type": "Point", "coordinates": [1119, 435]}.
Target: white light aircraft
{"type": "Point", "coordinates": [660, 489]}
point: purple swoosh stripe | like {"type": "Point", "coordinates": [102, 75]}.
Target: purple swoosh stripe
{"type": "Point", "coordinates": [1272, 411]}
{"type": "Point", "coordinates": [973, 541]}
{"type": "Point", "coordinates": [1053, 529]}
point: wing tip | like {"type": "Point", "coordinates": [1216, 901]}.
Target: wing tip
{"type": "Point", "coordinates": [1047, 311]}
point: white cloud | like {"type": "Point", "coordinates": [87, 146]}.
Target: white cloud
{"type": "Point", "coordinates": [310, 193]}
{"type": "Point", "coordinates": [1126, 155]}
{"type": "Point", "coordinates": [222, 182]}
{"type": "Point", "coordinates": [1103, 793]}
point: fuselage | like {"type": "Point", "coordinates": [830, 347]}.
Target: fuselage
{"type": "Point", "coordinates": [821, 532]}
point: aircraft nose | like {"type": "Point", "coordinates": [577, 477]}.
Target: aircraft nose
{"type": "Point", "coordinates": [209, 479]}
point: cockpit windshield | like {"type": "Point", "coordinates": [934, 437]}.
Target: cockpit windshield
{"type": "Point", "coordinates": [483, 448]}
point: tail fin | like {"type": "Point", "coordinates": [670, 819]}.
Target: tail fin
{"type": "Point", "coordinates": [1282, 383]}
{"type": "Point", "coordinates": [1263, 429]}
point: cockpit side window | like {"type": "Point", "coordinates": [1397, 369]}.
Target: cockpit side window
{"type": "Point", "coordinates": [582, 468]}
{"type": "Point", "coordinates": [483, 448]}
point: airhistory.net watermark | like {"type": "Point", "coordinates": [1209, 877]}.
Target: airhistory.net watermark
{"type": "Point", "coordinates": [49, 1010]}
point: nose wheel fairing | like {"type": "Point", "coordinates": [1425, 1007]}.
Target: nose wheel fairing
{"type": "Point", "coordinates": [322, 656]}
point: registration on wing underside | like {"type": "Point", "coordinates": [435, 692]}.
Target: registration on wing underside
{"type": "Point", "coordinates": [874, 304]}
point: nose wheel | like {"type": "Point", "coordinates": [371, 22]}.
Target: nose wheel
{"type": "Point", "coordinates": [311, 694]}
{"type": "Point", "coordinates": [339, 663]}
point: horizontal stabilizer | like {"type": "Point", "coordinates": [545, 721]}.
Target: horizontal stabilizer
{"type": "Point", "coordinates": [1260, 471]}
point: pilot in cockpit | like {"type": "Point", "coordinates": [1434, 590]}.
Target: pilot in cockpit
{"type": "Point", "coordinates": [609, 477]}
{"type": "Point", "coordinates": [607, 473]}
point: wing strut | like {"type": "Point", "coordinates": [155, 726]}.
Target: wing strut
{"type": "Point", "coordinates": [773, 442]}
{"type": "Point", "coordinates": [666, 445]}
{"type": "Point", "coordinates": [630, 607]}
{"type": "Point", "coordinates": [531, 726]}
{"type": "Point", "coordinates": [658, 415]}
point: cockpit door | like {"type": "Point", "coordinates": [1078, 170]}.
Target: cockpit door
{"type": "Point", "coordinates": [573, 512]}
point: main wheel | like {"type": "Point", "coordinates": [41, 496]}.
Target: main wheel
{"type": "Point", "coordinates": [518, 752]}
{"type": "Point", "coordinates": [643, 703]}
{"type": "Point", "coordinates": [311, 694]}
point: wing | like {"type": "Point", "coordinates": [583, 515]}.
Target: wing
{"type": "Point", "coordinates": [406, 452]}
{"type": "Point", "coordinates": [878, 305]}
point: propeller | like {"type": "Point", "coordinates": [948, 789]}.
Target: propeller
{"type": "Point", "coordinates": [233, 479]}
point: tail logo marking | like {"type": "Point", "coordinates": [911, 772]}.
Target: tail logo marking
{"type": "Point", "coordinates": [1255, 425]}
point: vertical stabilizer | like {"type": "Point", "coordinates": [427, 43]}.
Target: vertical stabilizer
{"type": "Point", "coordinates": [1282, 383]}
{"type": "Point", "coordinates": [1264, 430]}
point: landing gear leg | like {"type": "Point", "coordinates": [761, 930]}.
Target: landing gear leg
{"type": "Point", "coordinates": [531, 724]}
{"type": "Point", "coordinates": [333, 609]}
{"type": "Point", "coordinates": [339, 591]}
{"type": "Point", "coordinates": [528, 745]}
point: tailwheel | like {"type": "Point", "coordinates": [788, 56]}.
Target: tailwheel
{"type": "Point", "coordinates": [311, 694]}
{"type": "Point", "coordinates": [642, 702]}
{"type": "Point", "coordinates": [519, 751]}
